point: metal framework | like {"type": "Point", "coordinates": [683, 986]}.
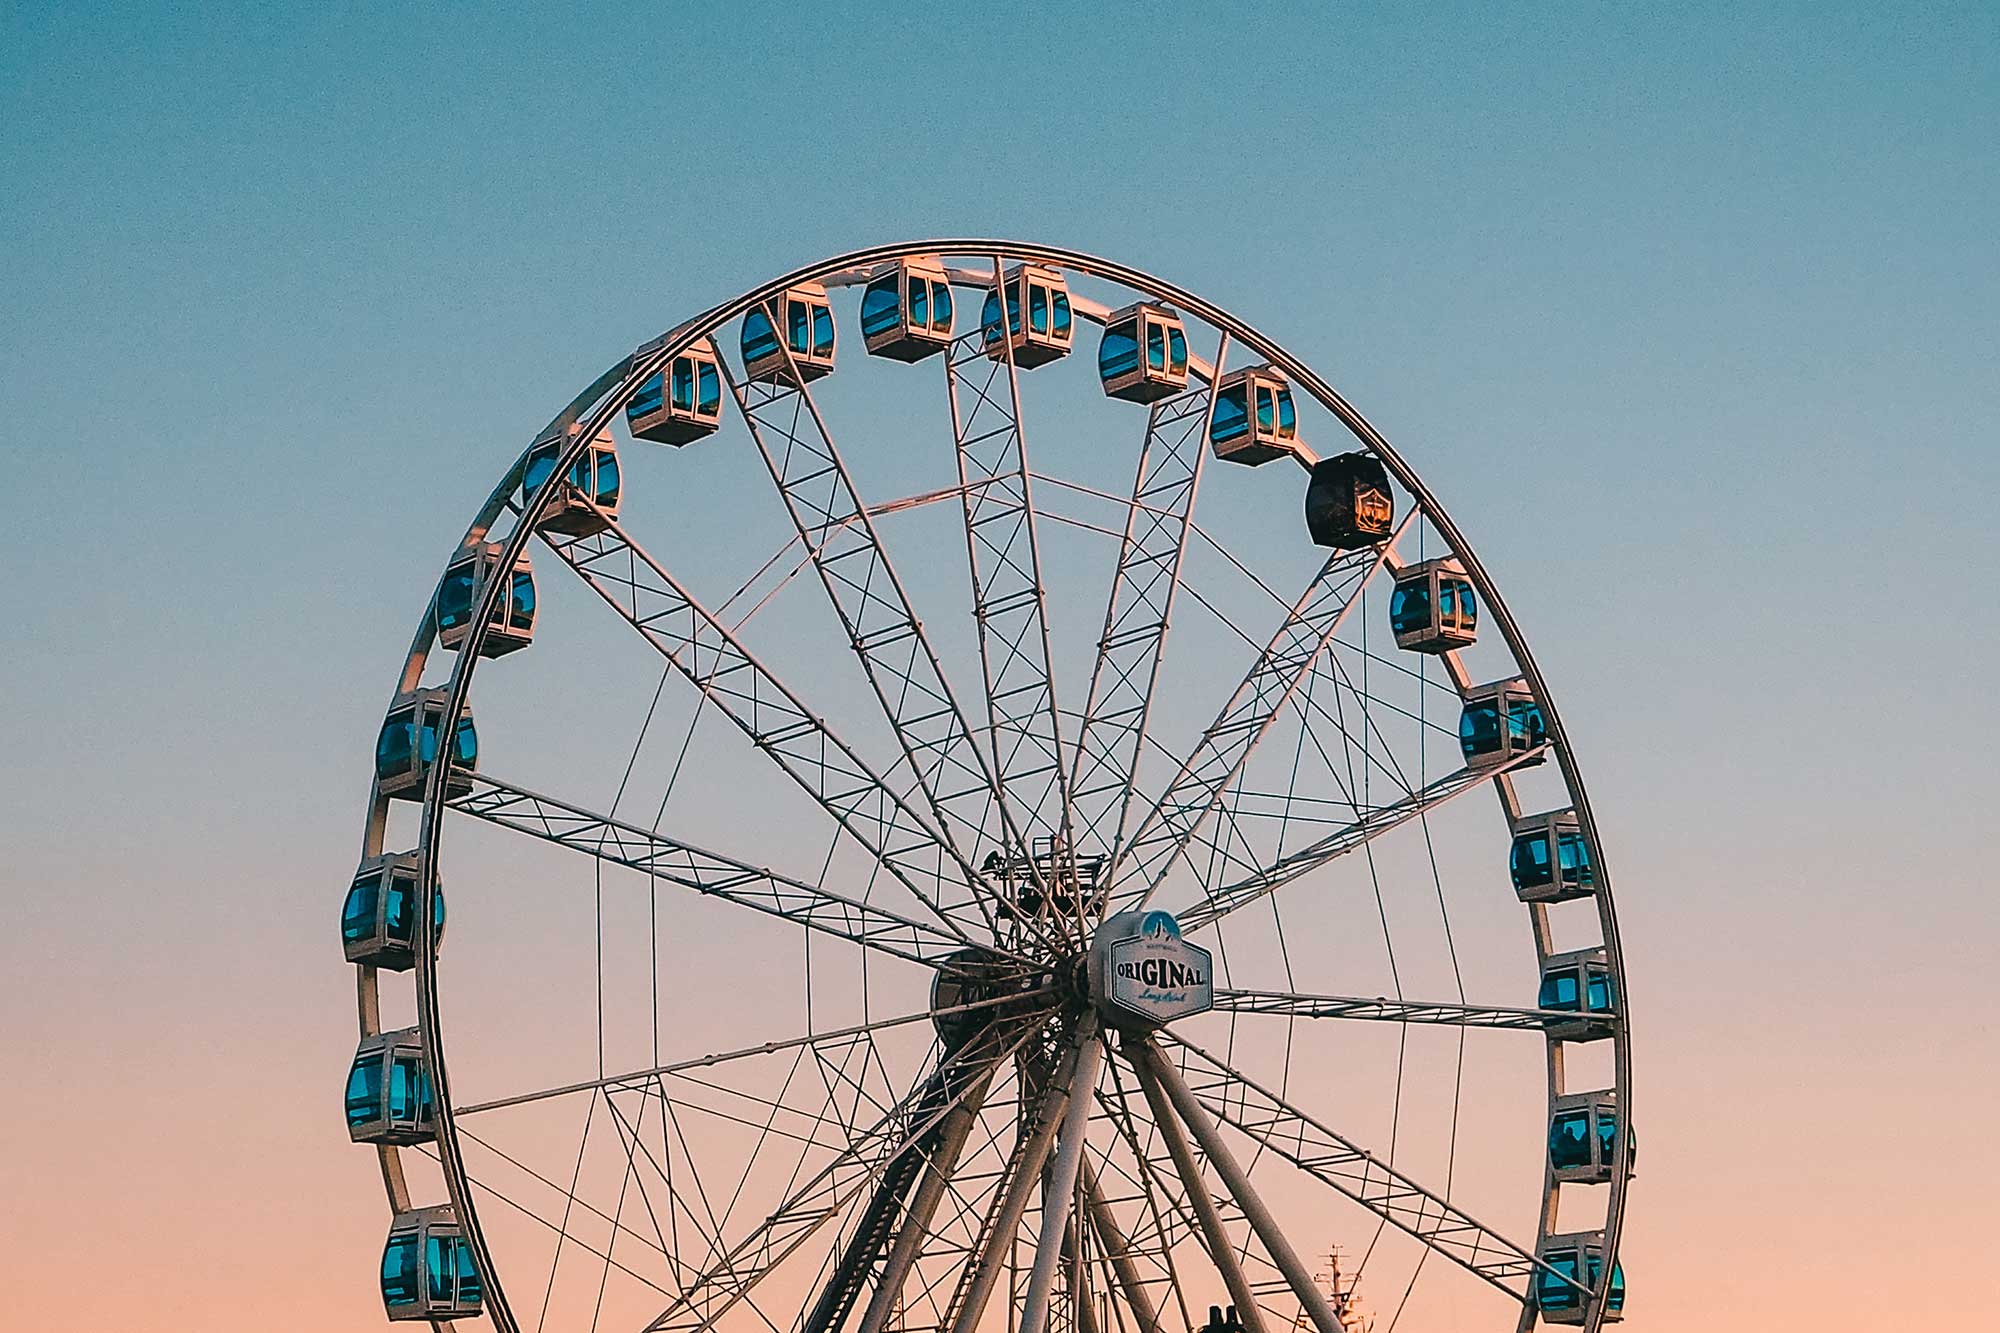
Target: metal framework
{"type": "Point", "coordinates": [1015, 1146]}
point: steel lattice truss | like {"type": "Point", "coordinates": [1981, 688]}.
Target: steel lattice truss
{"type": "Point", "coordinates": [1007, 588]}
{"type": "Point", "coordinates": [1139, 611]}
{"type": "Point", "coordinates": [1198, 789]}
{"type": "Point", "coordinates": [881, 625]}
{"type": "Point", "coordinates": [957, 1078]}
{"type": "Point", "coordinates": [712, 658]}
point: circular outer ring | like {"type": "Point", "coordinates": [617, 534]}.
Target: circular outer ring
{"type": "Point", "coordinates": [598, 404]}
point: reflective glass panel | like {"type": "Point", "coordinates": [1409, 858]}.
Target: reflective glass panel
{"type": "Point", "coordinates": [1574, 856]}
{"type": "Point", "coordinates": [683, 384]}
{"type": "Point", "coordinates": [607, 479]}
{"type": "Point", "coordinates": [1551, 1292]}
{"type": "Point", "coordinates": [822, 331]}
{"type": "Point", "coordinates": [1061, 303]}
{"type": "Point", "coordinates": [469, 1287]}
{"type": "Point", "coordinates": [1156, 347]}
{"type": "Point", "coordinates": [1569, 1140]}
{"type": "Point", "coordinates": [455, 595]}
{"type": "Point", "coordinates": [1455, 604]}
{"type": "Point", "coordinates": [1288, 419]}
{"type": "Point", "coordinates": [1266, 410]}
{"type": "Point", "coordinates": [1601, 1000]}
{"type": "Point", "coordinates": [357, 914]}
{"type": "Point", "coordinates": [1410, 607]}
{"type": "Point", "coordinates": [1038, 308]}
{"type": "Point", "coordinates": [798, 327]}
{"type": "Point", "coordinates": [403, 1090]}
{"type": "Point", "coordinates": [392, 748]}
{"type": "Point", "coordinates": [1614, 1295]}
{"type": "Point", "coordinates": [398, 920]}
{"type": "Point", "coordinates": [401, 1282]}
{"type": "Point", "coordinates": [1607, 1133]}
{"type": "Point", "coordinates": [427, 737]}
{"type": "Point", "coordinates": [710, 402]}
{"type": "Point", "coordinates": [438, 1254]}
{"type": "Point", "coordinates": [1177, 349]}
{"type": "Point", "coordinates": [941, 307]}
{"type": "Point", "coordinates": [1524, 723]}
{"type": "Point", "coordinates": [466, 750]}
{"type": "Point", "coordinates": [1558, 991]}
{"type": "Point", "coordinates": [920, 302]}
{"type": "Point", "coordinates": [1231, 421]}
{"type": "Point", "coordinates": [543, 460]}
{"type": "Point", "coordinates": [878, 306]}
{"type": "Point", "coordinates": [1528, 864]}
{"type": "Point", "coordinates": [645, 402]}
{"type": "Point", "coordinates": [410, 1100]}
{"type": "Point", "coordinates": [760, 342]}
{"type": "Point", "coordinates": [1118, 353]}
{"type": "Point", "coordinates": [364, 1091]}
{"type": "Point", "coordinates": [1479, 728]}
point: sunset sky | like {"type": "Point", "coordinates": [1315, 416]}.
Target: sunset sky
{"type": "Point", "coordinates": [1689, 316]}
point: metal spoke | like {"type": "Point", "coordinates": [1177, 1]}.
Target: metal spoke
{"type": "Point", "coordinates": [1223, 899]}
{"type": "Point", "coordinates": [1118, 1251]}
{"type": "Point", "coordinates": [1321, 1152]}
{"type": "Point", "coordinates": [708, 873]}
{"type": "Point", "coordinates": [1139, 609]}
{"type": "Point", "coordinates": [869, 1246]}
{"type": "Point", "coordinates": [1148, 1061]}
{"type": "Point", "coordinates": [1156, 1237]}
{"type": "Point", "coordinates": [938, 1167]}
{"type": "Point", "coordinates": [1024, 1170]}
{"type": "Point", "coordinates": [1223, 749]}
{"type": "Point", "coordinates": [1059, 1185]}
{"type": "Point", "coordinates": [869, 1155]}
{"type": "Point", "coordinates": [834, 1036]}
{"type": "Point", "coordinates": [868, 596]}
{"type": "Point", "coordinates": [1007, 588]}
{"type": "Point", "coordinates": [1208, 1220]}
{"type": "Point", "coordinates": [777, 721]}
{"type": "Point", "coordinates": [1381, 1009]}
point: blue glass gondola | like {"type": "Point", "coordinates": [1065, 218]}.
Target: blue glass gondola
{"type": "Point", "coordinates": [1576, 1257]}
{"type": "Point", "coordinates": [1049, 328]}
{"type": "Point", "coordinates": [586, 500]}
{"type": "Point", "coordinates": [906, 311]}
{"type": "Point", "coordinates": [1583, 1138]}
{"type": "Point", "coordinates": [1143, 356]}
{"type": "Point", "coordinates": [1501, 723]}
{"type": "Point", "coordinates": [1255, 419]}
{"type": "Point", "coordinates": [807, 347]}
{"type": "Point", "coordinates": [513, 620]}
{"type": "Point", "coordinates": [680, 403]}
{"type": "Point", "coordinates": [388, 1093]}
{"type": "Point", "coordinates": [1432, 609]}
{"type": "Point", "coordinates": [378, 920]}
{"type": "Point", "coordinates": [428, 1271]}
{"type": "Point", "coordinates": [1578, 982]}
{"type": "Point", "coordinates": [408, 746]}
{"type": "Point", "coordinates": [1550, 861]}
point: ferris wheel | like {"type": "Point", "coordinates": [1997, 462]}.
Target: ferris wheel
{"type": "Point", "coordinates": [968, 836]}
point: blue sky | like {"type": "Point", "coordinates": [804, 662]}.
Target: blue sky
{"type": "Point", "coordinates": [283, 288]}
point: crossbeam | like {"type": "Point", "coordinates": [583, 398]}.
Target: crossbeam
{"type": "Point", "coordinates": [708, 873]}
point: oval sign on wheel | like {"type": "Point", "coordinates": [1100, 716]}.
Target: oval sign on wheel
{"type": "Point", "coordinates": [1143, 972]}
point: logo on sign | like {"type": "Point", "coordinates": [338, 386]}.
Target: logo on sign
{"type": "Point", "coordinates": [1148, 973]}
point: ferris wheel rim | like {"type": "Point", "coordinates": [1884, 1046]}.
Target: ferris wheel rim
{"type": "Point", "coordinates": [598, 405]}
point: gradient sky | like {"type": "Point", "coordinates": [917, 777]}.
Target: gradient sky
{"type": "Point", "coordinates": [282, 288]}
